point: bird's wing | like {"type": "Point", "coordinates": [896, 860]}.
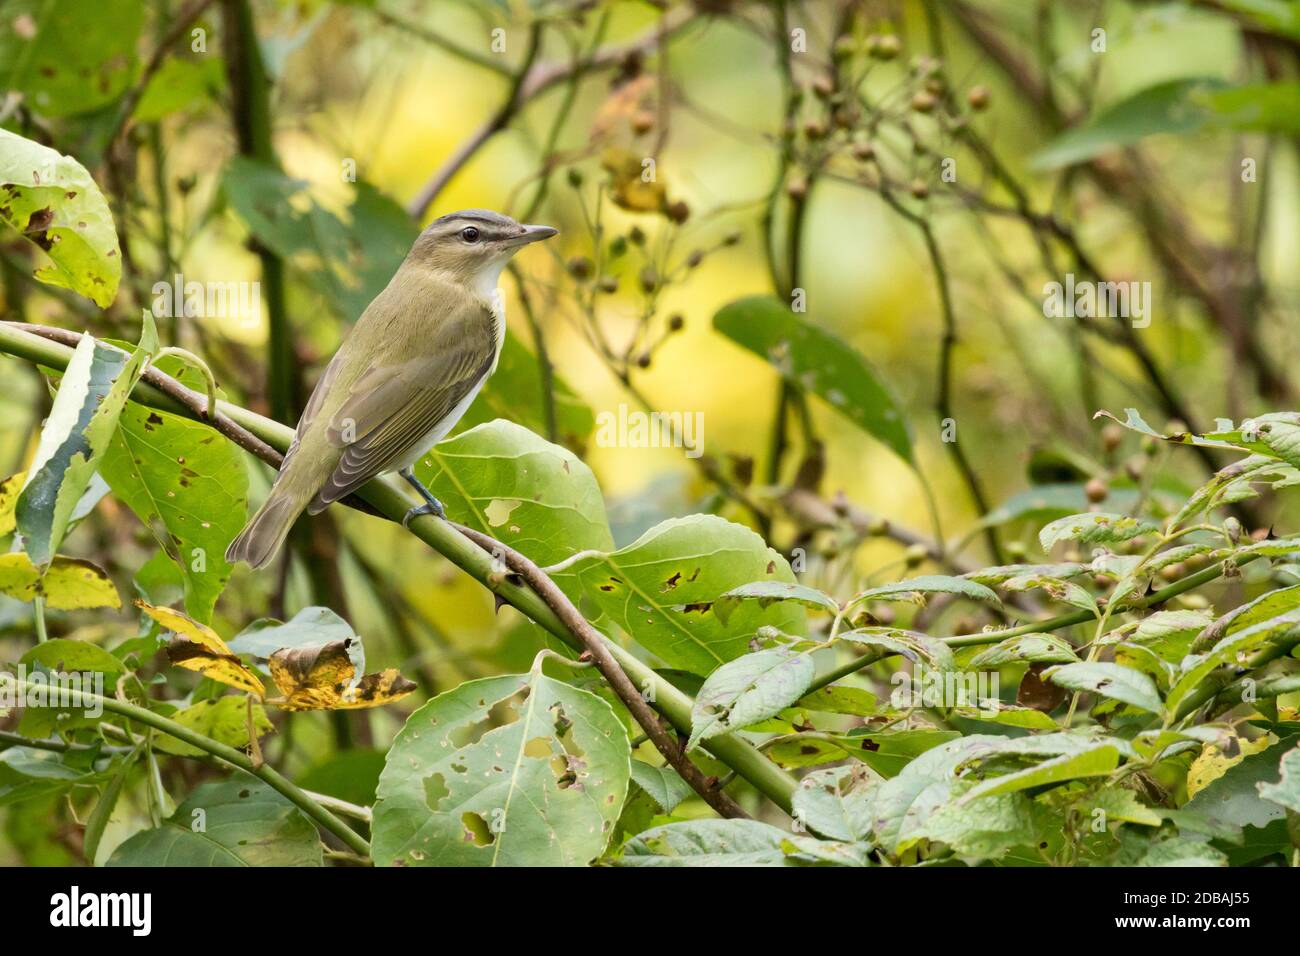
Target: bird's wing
{"type": "Point", "coordinates": [390, 408]}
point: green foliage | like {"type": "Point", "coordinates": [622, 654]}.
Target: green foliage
{"type": "Point", "coordinates": [235, 822]}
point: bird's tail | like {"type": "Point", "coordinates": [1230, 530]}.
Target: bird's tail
{"type": "Point", "coordinates": [262, 537]}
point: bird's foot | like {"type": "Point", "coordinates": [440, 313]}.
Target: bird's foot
{"type": "Point", "coordinates": [433, 507]}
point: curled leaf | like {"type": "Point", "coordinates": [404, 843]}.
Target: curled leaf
{"type": "Point", "coordinates": [197, 647]}
{"type": "Point", "coordinates": [323, 677]}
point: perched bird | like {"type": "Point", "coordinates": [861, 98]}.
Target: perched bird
{"type": "Point", "coordinates": [402, 379]}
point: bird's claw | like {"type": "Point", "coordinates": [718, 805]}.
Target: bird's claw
{"type": "Point", "coordinates": [431, 508]}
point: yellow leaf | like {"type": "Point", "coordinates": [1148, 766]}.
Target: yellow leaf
{"type": "Point", "coordinates": [197, 647]}
{"type": "Point", "coordinates": [9, 489]}
{"type": "Point", "coordinates": [319, 677]}
{"type": "Point", "coordinates": [628, 182]}
{"type": "Point", "coordinates": [69, 584]}
{"type": "Point", "coordinates": [1213, 763]}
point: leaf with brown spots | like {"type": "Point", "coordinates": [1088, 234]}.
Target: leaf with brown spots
{"type": "Point", "coordinates": [323, 677]}
{"type": "Point", "coordinates": [197, 647]}
{"type": "Point", "coordinates": [68, 584]}
{"type": "Point", "coordinates": [52, 201]}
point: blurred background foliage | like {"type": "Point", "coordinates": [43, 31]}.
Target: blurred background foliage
{"type": "Point", "coordinates": [796, 146]}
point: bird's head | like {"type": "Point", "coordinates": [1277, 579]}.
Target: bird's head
{"type": "Point", "coordinates": [472, 246]}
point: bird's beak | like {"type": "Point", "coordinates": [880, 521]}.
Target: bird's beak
{"type": "Point", "coordinates": [534, 234]}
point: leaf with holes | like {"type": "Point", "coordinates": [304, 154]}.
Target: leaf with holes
{"type": "Point", "coordinates": [660, 590]}
{"type": "Point", "coordinates": [518, 770]}
{"type": "Point", "coordinates": [509, 483]}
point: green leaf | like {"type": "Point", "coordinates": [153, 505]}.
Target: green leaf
{"type": "Point", "coordinates": [188, 485]}
{"type": "Point", "coordinates": [767, 593]}
{"type": "Point", "coordinates": [54, 203]}
{"type": "Point", "coordinates": [992, 577]}
{"type": "Point", "coordinates": [983, 829]}
{"type": "Point", "coordinates": [1070, 757]}
{"type": "Point", "coordinates": [1064, 592]}
{"type": "Point", "coordinates": [836, 803]}
{"type": "Point", "coordinates": [90, 399]}
{"type": "Point", "coordinates": [889, 752]}
{"type": "Point", "coordinates": [1181, 852]}
{"type": "Point", "coordinates": [27, 774]}
{"type": "Point", "coordinates": [1094, 527]}
{"type": "Point", "coordinates": [911, 644]}
{"type": "Point", "coordinates": [1236, 799]}
{"type": "Point", "coordinates": [1267, 606]}
{"type": "Point", "coordinates": [913, 590]}
{"type": "Point", "coordinates": [749, 689]}
{"type": "Point", "coordinates": [663, 785]}
{"type": "Point", "coordinates": [224, 720]}
{"type": "Point", "coordinates": [509, 483]}
{"type": "Point", "coordinates": [660, 590]}
{"type": "Point", "coordinates": [808, 356]}
{"type": "Point", "coordinates": [1236, 648]}
{"type": "Point", "coordinates": [836, 699]}
{"type": "Point", "coordinates": [100, 816]}
{"type": "Point", "coordinates": [1286, 792]}
{"type": "Point", "coordinates": [69, 56]}
{"type": "Point", "coordinates": [311, 625]}
{"type": "Point", "coordinates": [1033, 648]}
{"type": "Point", "coordinates": [517, 770]}
{"type": "Point", "coordinates": [69, 656]}
{"type": "Point", "coordinates": [67, 584]}
{"type": "Point", "coordinates": [1276, 16]}
{"type": "Point", "coordinates": [1109, 680]}
{"type": "Point", "coordinates": [236, 822]}
{"type": "Point", "coordinates": [1170, 633]}
{"type": "Point", "coordinates": [1046, 502]}
{"type": "Point", "coordinates": [733, 843]}
{"type": "Point", "coordinates": [901, 805]}
{"type": "Point", "coordinates": [1176, 106]}
{"type": "Point", "coordinates": [179, 85]}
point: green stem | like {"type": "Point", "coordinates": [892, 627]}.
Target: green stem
{"type": "Point", "coordinates": [228, 755]}
{"type": "Point", "coordinates": [38, 616]}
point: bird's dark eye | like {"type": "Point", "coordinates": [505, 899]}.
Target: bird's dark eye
{"type": "Point", "coordinates": [469, 234]}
